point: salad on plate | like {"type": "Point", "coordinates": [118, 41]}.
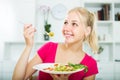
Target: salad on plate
{"type": "Point", "coordinates": [57, 68]}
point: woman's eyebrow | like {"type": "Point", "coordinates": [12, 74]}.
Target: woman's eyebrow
{"type": "Point", "coordinates": [71, 20]}
{"type": "Point", "coordinates": [74, 21]}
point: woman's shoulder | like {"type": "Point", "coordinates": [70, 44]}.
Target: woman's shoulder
{"type": "Point", "coordinates": [91, 64]}
{"type": "Point", "coordinates": [89, 60]}
{"type": "Point", "coordinates": [90, 57]}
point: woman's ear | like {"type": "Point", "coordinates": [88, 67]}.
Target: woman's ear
{"type": "Point", "coordinates": [87, 31]}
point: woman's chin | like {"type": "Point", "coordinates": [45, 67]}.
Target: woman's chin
{"type": "Point", "coordinates": [68, 41]}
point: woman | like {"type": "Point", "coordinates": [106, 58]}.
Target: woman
{"type": "Point", "coordinates": [78, 27]}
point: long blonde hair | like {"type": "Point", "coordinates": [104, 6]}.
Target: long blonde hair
{"type": "Point", "coordinates": [88, 19]}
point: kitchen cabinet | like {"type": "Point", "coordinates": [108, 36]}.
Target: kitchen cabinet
{"type": "Point", "coordinates": [107, 29]}
{"type": "Point", "coordinates": [117, 71]}
{"type": "Point", "coordinates": [106, 71]}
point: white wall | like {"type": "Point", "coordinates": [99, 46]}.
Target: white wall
{"type": "Point", "coordinates": [16, 12]}
{"type": "Point", "coordinates": [13, 13]}
{"type": "Point", "coordinates": [6, 23]}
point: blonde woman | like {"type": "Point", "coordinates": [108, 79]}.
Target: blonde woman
{"type": "Point", "coordinates": [78, 27]}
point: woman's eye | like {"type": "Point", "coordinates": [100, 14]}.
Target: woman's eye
{"type": "Point", "coordinates": [65, 22]}
{"type": "Point", "coordinates": [74, 24]}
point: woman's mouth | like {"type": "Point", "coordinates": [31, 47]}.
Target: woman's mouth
{"type": "Point", "coordinates": [68, 34]}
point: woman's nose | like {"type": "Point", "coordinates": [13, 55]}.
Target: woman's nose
{"type": "Point", "coordinates": [67, 26]}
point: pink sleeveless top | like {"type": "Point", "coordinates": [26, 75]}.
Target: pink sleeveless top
{"type": "Point", "coordinates": [47, 53]}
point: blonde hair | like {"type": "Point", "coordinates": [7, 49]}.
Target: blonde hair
{"type": "Point", "coordinates": [88, 19]}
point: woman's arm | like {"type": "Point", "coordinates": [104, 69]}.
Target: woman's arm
{"type": "Point", "coordinates": [30, 70]}
{"type": "Point", "coordinates": [92, 77]}
{"type": "Point", "coordinates": [22, 65]}
{"type": "Point", "coordinates": [23, 69]}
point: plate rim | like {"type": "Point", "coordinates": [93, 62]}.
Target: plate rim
{"type": "Point", "coordinates": [54, 72]}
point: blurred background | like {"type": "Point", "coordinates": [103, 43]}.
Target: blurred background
{"type": "Point", "coordinates": [15, 13]}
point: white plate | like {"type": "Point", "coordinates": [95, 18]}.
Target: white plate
{"type": "Point", "coordinates": [42, 66]}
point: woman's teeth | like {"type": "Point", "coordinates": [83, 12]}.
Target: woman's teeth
{"type": "Point", "coordinates": [68, 34]}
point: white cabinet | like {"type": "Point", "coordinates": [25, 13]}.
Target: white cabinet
{"type": "Point", "coordinates": [106, 71]}
{"type": "Point", "coordinates": [117, 42]}
{"type": "Point", "coordinates": [6, 69]}
{"type": "Point", "coordinates": [13, 50]}
{"type": "Point", "coordinates": [104, 27]}
{"type": "Point", "coordinates": [117, 71]}
{"type": "Point", "coordinates": [108, 31]}
{"type": "Point", "coordinates": [117, 51]}
{"type": "Point", "coordinates": [117, 31]}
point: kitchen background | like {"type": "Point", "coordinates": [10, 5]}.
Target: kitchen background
{"type": "Point", "coordinates": [15, 13]}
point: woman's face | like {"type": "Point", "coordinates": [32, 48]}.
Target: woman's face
{"type": "Point", "coordinates": [73, 30]}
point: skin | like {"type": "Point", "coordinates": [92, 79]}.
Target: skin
{"type": "Point", "coordinates": [73, 32]}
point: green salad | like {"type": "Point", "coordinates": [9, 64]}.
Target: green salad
{"type": "Point", "coordinates": [67, 67]}
{"type": "Point", "coordinates": [78, 66]}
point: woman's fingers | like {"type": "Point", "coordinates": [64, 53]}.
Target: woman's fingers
{"type": "Point", "coordinates": [60, 76]}
{"type": "Point", "coordinates": [65, 75]}
{"type": "Point", "coordinates": [26, 26]}
{"type": "Point", "coordinates": [29, 30]}
{"type": "Point", "coordinates": [55, 76]}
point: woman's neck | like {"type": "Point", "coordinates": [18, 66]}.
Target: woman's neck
{"type": "Point", "coordinates": [76, 46]}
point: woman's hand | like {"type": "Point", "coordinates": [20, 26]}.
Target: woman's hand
{"type": "Point", "coordinates": [29, 31]}
{"type": "Point", "coordinates": [60, 76]}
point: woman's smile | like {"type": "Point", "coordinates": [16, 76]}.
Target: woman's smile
{"type": "Point", "coordinates": [68, 34]}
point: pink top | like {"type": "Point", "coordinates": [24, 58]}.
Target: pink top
{"type": "Point", "coordinates": [47, 53]}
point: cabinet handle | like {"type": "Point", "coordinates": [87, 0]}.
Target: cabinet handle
{"type": "Point", "coordinates": [117, 60]}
